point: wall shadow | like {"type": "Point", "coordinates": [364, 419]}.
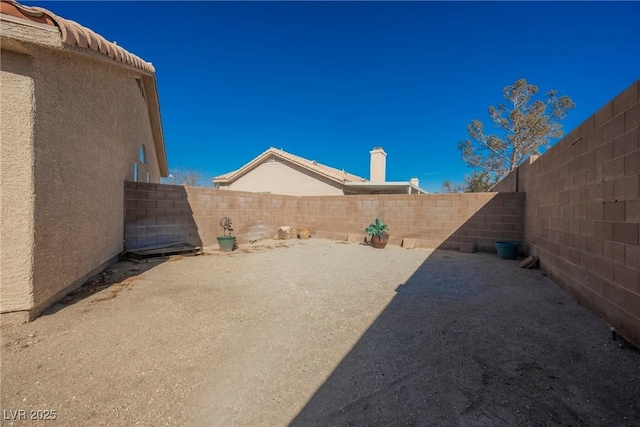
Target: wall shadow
{"type": "Point", "coordinates": [157, 214]}
{"type": "Point", "coordinates": [107, 284]}
{"type": "Point", "coordinates": [150, 218]}
{"type": "Point", "coordinates": [471, 339]}
{"type": "Point", "coordinates": [500, 219]}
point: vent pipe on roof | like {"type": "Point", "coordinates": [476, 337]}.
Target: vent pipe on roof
{"type": "Point", "coordinates": [378, 170]}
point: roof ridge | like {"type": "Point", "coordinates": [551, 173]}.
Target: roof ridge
{"type": "Point", "coordinates": [319, 168]}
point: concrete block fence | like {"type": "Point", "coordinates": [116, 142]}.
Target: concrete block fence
{"type": "Point", "coordinates": [577, 207]}
{"type": "Point", "coordinates": [157, 214]}
{"type": "Point", "coordinates": [433, 220]}
{"type": "Point", "coordinates": [582, 211]}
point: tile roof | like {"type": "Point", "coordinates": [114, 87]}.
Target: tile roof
{"type": "Point", "coordinates": [74, 34]}
{"type": "Point", "coordinates": [312, 165]}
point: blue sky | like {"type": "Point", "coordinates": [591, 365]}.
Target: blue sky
{"type": "Point", "coordinates": [331, 80]}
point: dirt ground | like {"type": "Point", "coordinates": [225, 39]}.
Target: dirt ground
{"type": "Point", "coordinates": [318, 332]}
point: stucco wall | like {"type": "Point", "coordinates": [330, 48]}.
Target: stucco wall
{"type": "Point", "coordinates": [583, 212]}
{"type": "Point", "coordinates": [16, 175]}
{"type": "Point", "coordinates": [280, 177]}
{"type": "Point", "coordinates": [90, 121]}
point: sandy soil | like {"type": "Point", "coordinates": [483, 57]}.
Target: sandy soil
{"type": "Point", "coordinates": [318, 332]}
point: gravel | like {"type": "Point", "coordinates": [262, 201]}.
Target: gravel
{"type": "Point", "coordinates": [317, 332]}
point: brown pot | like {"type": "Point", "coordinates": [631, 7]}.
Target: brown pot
{"type": "Point", "coordinates": [379, 242]}
{"type": "Point", "coordinates": [304, 233]}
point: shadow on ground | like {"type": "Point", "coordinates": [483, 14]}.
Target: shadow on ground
{"type": "Point", "coordinates": [112, 281]}
{"type": "Point", "coordinates": [471, 339]}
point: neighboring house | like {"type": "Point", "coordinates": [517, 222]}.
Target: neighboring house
{"type": "Point", "coordinates": [278, 172]}
{"type": "Point", "coordinates": [79, 115]}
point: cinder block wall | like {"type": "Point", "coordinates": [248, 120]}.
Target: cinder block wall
{"type": "Point", "coordinates": [434, 220]}
{"type": "Point", "coordinates": [510, 182]}
{"type": "Point", "coordinates": [157, 214]}
{"type": "Point", "coordinates": [583, 212]}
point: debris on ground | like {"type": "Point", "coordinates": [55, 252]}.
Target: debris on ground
{"type": "Point", "coordinates": [409, 243]}
{"type": "Point", "coordinates": [180, 248]}
{"type": "Point", "coordinates": [286, 232]}
{"type": "Point", "coordinates": [529, 262]}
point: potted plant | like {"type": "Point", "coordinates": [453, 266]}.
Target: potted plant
{"type": "Point", "coordinates": [226, 243]}
{"type": "Point", "coordinates": [378, 233]}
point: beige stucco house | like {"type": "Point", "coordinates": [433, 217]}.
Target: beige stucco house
{"type": "Point", "coordinates": [79, 116]}
{"type": "Point", "coordinates": [279, 172]}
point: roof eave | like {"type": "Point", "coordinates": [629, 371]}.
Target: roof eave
{"type": "Point", "coordinates": [51, 36]}
{"type": "Point", "coordinates": [389, 184]}
{"type": "Point", "coordinates": [244, 169]}
{"type": "Point", "coordinates": [40, 34]}
{"type": "Point", "coordinates": [155, 118]}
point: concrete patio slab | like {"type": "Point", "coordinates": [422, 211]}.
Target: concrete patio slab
{"type": "Point", "coordinates": [318, 332]}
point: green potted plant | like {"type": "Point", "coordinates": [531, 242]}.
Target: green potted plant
{"type": "Point", "coordinates": [378, 233]}
{"type": "Point", "coordinates": [226, 242]}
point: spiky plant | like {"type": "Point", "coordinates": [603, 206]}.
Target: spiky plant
{"type": "Point", "coordinates": [377, 228]}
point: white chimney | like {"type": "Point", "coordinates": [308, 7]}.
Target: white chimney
{"type": "Point", "coordinates": [378, 170]}
{"type": "Point", "coordinates": [415, 181]}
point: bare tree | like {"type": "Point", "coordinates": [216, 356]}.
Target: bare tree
{"type": "Point", "coordinates": [449, 187]}
{"type": "Point", "coordinates": [189, 177]}
{"type": "Point", "coordinates": [478, 182]}
{"type": "Point", "coordinates": [524, 128]}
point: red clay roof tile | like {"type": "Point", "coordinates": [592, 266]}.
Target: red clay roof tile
{"type": "Point", "coordinates": [324, 170]}
{"type": "Point", "coordinates": [74, 34]}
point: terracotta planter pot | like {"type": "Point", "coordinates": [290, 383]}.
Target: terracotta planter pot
{"type": "Point", "coordinates": [304, 233]}
{"type": "Point", "coordinates": [379, 242]}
